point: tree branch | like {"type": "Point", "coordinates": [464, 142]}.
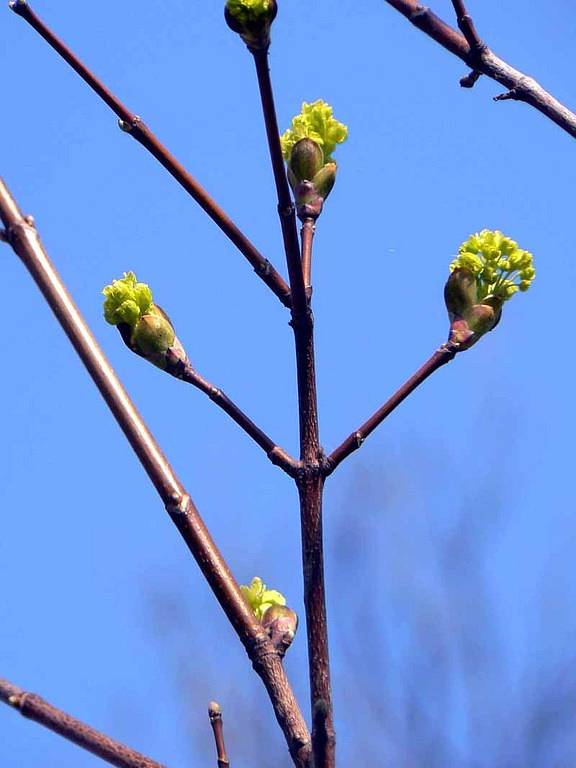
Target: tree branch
{"type": "Point", "coordinates": [277, 455]}
{"type": "Point", "coordinates": [309, 481]}
{"type": "Point", "coordinates": [25, 242]}
{"type": "Point", "coordinates": [133, 125]}
{"type": "Point", "coordinates": [354, 441]}
{"type": "Point", "coordinates": [35, 708]}
{"type": "Point", "coordinates": [286, 208]}
{"type": "Point", "coordinates": [520, 86]}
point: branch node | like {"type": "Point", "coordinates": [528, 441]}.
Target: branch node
{"type": "Point", "coordinates": [127, 126]}
{"type": "Point", "coordinates": [17, 5]}
{"type": "Point", "coordinates": [470, 80]}
{"type": "Point", "coordinates": [418, 13]}
{"type": "Point", "coordinates": [507, 95]}
{"type": "Point", "coordinates": [178, 504]}
{"type": "Point", "coordinates": [286, 211]}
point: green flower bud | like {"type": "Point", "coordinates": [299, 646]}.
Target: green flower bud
{"type": "Point", "coordinates": [315, 122]}
{"type": "Point", "coordinates": [259, 598]}
{"type": "Point", "coordinates": [500, 267]}
{"type": "Point", "coordinates": [281, 624]}
{"type": "Point", "coordinates": [252, 20]}
{"type": "Point", "coordinates": [306, 159]}
{"type": "Point", "coordinates": [145, 328]}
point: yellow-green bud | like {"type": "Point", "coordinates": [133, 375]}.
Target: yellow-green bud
{"type": "Point", "coordinates": [153, 333]}
{"type": "Point", "coordinates": [460, 292]}
{"type": "Point", "coordinates": [325, 180]}
{"type": "Point", "coordinates": [259, 598]}
{"type": "Point", "coordinates": [126, 300]}
{"type": "Point", "coordinates": [281, 624]}
{"type": "Point", "coordinates": [252, 20]}
{"type": "Point", "coordinates": [315, 122]}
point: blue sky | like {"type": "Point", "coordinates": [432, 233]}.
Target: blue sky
{"type": "Point", "coordinates": [101, 609]}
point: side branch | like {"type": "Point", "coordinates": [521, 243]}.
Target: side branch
{"type": "Point", "coordinates": [482, 60]}
{"type": "Point", "coordinates": [25, 242]}
{"type": "Point", "coordinates": [132, 124]}
{"type": "Point", "coordinates": [277, 455]}
{"type": "Point", "coordinates": [35, 708]}
{"type": "Point", "coordinates": [354, 441]}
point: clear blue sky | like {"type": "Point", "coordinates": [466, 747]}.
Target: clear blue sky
{"type": "Point", "coordinates": [101, 608]}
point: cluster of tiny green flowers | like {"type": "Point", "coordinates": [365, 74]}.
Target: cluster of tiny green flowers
{"type": "Point", "coordinates": [259, 598]}
{"type": "Point", "coordinates": [315, 122]}
{"type": "Point", "coordinates": [500, 267]}
{"type": "Point", "coordinates": [126, 300]}
{"type": "Point", "coordinates": [248, 11]}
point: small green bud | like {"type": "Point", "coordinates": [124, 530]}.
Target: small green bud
{"type": "Point", "coordinates": [153, 333]}
{"type": "Point", "coordinates": [126, 300]}
{"type": "Point", "coordinates": [306, 159]}
{"type": "Point", "coordinates": [252, 20]}
{"type": "Point", "coordinates": [325, 179]}
{"type": "Point", "coordinates": [259, 598]}
{"type": "Point", "coordinates": [460, 292]}
{"type": "Point", "coordinates": [281, 624]}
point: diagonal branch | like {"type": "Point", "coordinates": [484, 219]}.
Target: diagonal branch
{"type": "Point", "coordinates": [277, 455]}
{"type": "Point", "coordinates": [132, 124]}
{"type": "Point", "coordinates": [25, 242]}
{"type": "Point", "coordinates": [354, 441]}
{"type": "Point", "coordinates": [482, 60]}
{"type": "Point", "coordinates": [35, 708]}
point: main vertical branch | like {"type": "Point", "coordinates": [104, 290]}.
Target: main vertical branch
{"type": "Point", "coordinates": [310, 480]}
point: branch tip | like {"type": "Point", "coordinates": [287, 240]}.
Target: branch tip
{"type": "Point", "coordinates": [470, 80]}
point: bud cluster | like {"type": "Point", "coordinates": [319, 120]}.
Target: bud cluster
{"type": "Point", "coordinates": [143, 325]}
{"type": "Point", "coordinates": [307, 147]}
{"type": "Point", "coordinates": [489, 269]}
{"type": "Point", "coordinates": [252, 20]}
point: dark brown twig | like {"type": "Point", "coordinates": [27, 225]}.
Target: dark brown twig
{"type": "Point", "coordinates": [309, 481]}
{"type": "Point", "coordinates": [354, 441]}
{"type": "Point", "coordinates": [277, 455]}
{"type": "Point", "coordinates": [520, 86]}
{"type": "Point", "coordinates": [35, 708]}
{"type": "Point", "coordinates": [466, 26]}
{"type": "Point", "coordinates": [132, 124]}
{"type": "Point", "coordinates": [286, 208]}
{"type": "Point", "coordinates": [26, 244]}
{"type": "Point", "coordinates": [215, 715]}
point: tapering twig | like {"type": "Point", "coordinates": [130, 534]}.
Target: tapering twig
{"type": "Point", "coordinates": [277, 455]}
{"type": "Point", "coordinates": [286, 208]}
{"type": "Point", "coordinates": [466, 26]}
{"type": "Point", "coordinates": [520, 86]}
{"type": "Point", "coordinates": [25, 242]}
{"type": "Point", "coordinates": [307, 235]}
{"type": "Point", "coordinates": [215, 715]}
{"type": "Point", "coordinates": [309, 481]}
{"type": "Point", "coordinates": [442, 356]}
{"type": "Point", "coordinates": [132, 124]}
{"type": "Point", "coordinates": [35, 708]}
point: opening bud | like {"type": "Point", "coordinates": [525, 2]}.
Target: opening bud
{"type": "Point", "coordinates": [252, 20]}
{"type": "Point", "coordinates": [280, 623]}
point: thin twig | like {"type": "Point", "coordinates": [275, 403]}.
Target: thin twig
{"type": "Point", "coordinates": [354, 441]}
{"type": "Point", "coordinates": [466, 26]}
{"type": "Point", "coordinates": [520, 86]}
{"type": "Point", "coordinates": [26, 244]}
{"type": "Point", "coordinates": [215, 715]}
{"type": "Point", "coordinates": [132, 124]}
{"type": "Point", "coordinates": [286, 208]}
{"type": "Point", "coordinates": [307, 234]}
{"type": "Point", "coordinates": [277, 455]}
{"type": "Point", "coordinates": [35, 708]}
